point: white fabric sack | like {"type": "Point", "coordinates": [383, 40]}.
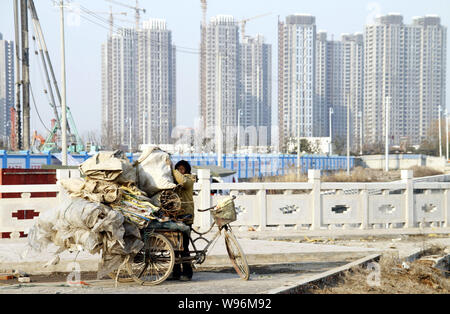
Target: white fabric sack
{"type": "Point", "coordinates": [109, 166]}
{"type": "Point", "coordinates": [154, 171]}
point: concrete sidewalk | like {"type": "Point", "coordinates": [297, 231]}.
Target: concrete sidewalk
{"type": "Point", "coordinates": [260, 248]}
{"type": "Point", "coordinates": [13, 255]}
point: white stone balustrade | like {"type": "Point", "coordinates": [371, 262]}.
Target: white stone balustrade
{"type": "Point", "coordinates": [316, 205]}
{"type": "Point", "coordinates": [312, 205]}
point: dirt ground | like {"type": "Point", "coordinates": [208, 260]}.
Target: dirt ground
{"type": "Point", "coordinates": [393, 277]}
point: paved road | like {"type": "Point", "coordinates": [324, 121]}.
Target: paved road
{"type": "Point", "coordinates": [204, 282]}
{"type": "Point", "coordinates": [273, 263]}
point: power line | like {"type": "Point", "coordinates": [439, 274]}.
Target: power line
{"type": "Point", "coordinates": [117, 29]}
{"type": "Point", "coordinates": [37, 111]}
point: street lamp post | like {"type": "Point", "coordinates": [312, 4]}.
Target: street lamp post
{"type": "Point", "coordinates": [298, 128]}
{"type": "Point", "coordinates": [360, 133]}
{"type": "Point", "coordinates": [239, 131]}
{"type": "Point", "coordinates": [440, 132]}
{"type": "Point", "coordinates": [348, 134]}
{"type": "Point", "coordinates": [331, 137]}
{"type": "Point", "coordinates": [446, 133]}
{"type": "Point", "coordinates": [388, 100]}
{"type": "Point", "coordinates": [219, 136]}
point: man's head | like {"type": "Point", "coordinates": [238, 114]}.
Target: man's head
{"type": "Point", "coordinates": [183, 167]}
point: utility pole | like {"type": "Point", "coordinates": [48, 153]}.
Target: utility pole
{"type": "Point", "coordinates": [63, 90]}
{"type": "Point", "coordinates": [18, 128]}
{"type": "Point", "coordinates": [25, 75]}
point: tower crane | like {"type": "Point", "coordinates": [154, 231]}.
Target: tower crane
{"type": "Point", "coordinates": [136, 8]}
{"type": "Point", "coordinates": [244, 22]}
{"type": "Point", "coordinates": [111, 18]}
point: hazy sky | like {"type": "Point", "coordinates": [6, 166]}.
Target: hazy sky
{"type": "Point", "coordinates": [83, 42]}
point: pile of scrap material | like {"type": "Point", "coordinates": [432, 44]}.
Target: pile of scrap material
{"type": "Point", "coordinates": [102, 212]}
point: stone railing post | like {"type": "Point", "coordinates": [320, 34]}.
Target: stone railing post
{"type": "Point", "coordinates": [364, 203]}
{"type": "Point", "coordinates": [62, 174]}
{"type": "Point", "coordinates": [262, 206]}
{"type": "Point", "coordinates": [446, 208]}
{"type": "Point", "coordinates": [204, 176]}
{"type": "Point", "coordinates": [407, 178]}
{"type": "Point", "coordinates": [314, 178]}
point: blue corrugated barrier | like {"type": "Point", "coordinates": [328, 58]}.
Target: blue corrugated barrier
{"type": "Point", "coordinates": [246, 166]}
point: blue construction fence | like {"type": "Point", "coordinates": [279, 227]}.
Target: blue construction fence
{"type": "Point", "coordinates": [260, 165]}
{"type": "Point", "coordinates": [246, 166]}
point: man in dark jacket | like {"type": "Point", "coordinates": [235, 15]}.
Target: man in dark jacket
{"type": "Point", "coordinates": [185, 190]}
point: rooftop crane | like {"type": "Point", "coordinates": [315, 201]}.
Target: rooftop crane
{"type": "Point", "coordinates": [111, 18]}
{"type": "Point", "coordinates": [136, 8]}
{"type": "Point", "coordinates": [244, 21]}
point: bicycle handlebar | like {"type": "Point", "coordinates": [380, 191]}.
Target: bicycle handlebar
{"type": "Point", "coordinates": [204, 210]}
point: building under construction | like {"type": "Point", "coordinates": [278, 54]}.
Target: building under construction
{"type": "Point", "coordinates": [138, 86]}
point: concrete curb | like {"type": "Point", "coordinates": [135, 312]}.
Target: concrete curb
{"type": "Point", "coordinates": [283, 234]}
{"type": "Point", "coordinates": [299, 286]}
{"type": "Point", "coordinates": [443, 264]}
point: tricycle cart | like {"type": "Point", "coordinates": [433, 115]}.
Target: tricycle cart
{"type": "Point", "coordinates": [155, 262]}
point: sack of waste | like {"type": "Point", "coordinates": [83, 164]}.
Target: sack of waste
{"type": "Point", "coordinates": [74, 223]}
{"type": "Point", "coordinates": [77, 224]}
{"type": "Point", "coordinates": [107, 208]}
{"type": "Point", "coordinates": [109, 166]}
{"type": "Point", "coordinates": [154, 171]}
{"type": "Point", "coordinates": [100, 191]}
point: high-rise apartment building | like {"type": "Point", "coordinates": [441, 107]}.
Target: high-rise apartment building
{"type": "Point", "coordinates": [298, 112]}
{"type": "Point", "coordinates": [433, 57]}
{"type": "Point", "coordinates": [404, 78]}
{"type": "Point", "coordinates": [6, 87]}
{"type": "Point", "coordinates": [139, 86]}
{"type": "Point", "coordinates": [156, 83]}
{"type": "Point", "coordinates": [339, 85]}
{"type": "Point", "coordinates": [222, 72]}
{"type": "Point", "coordinates": [353, 86]}
{"type": "Point", "coordinates": [119, 89]}
{"type": "Point", "coordinates": [323, 77]}
{"type": "Point", "coordinates": [256, 87]}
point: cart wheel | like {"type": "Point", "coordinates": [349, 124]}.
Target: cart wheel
{"type": "Point", "coordinates": [236, 254]}
{"type": "Point", "coordinates": [157, 264]}
{"type": "Point", "coordinates": [123, 277]}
